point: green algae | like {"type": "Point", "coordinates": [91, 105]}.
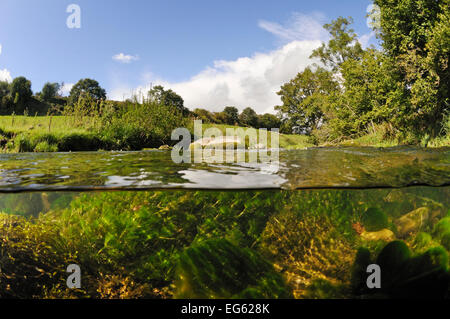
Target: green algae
{"type": "Point", "coordinates": [151, 244]}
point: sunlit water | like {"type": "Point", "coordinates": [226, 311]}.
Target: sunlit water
{"type": "Point", "coordinates": [127, 219]}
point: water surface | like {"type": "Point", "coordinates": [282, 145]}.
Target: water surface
{"type": "Point", "coordinates": [296, 169]}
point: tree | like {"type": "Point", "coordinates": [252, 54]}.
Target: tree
{"type": "Point", "coordinates": [342, 46]}
{"type": "Point", "coordinates": [167, 98]}
{"type": "Point", "coordinates": [248, 117]}
{"type": "Point", "coordinates": [49, 91]}
{"type": "Point", "coordinates": [21, 93]}
{"type": "Point", "coordinates": [268, 121]}
{"type": "Point", "coordinates": [306, 99]}
{"type": "Point", "coordinates": [89, 87]}
{"type": "Point", "coordinates": [4, 96]}
{"type": "Point", "coordinates": [205, 115]}
{"type": "Point", "coordinates": [416, 39]}
{"type": "Point", "coordinates": [4, 89]}
{"type": "Point", "coordinates": [231, 115]}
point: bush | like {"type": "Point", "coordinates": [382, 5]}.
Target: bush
{"type": "Point", "coordinates": [45, 147]}
{"type": "Point", "coordinates": [78, 142]}
{"type": "Point", "coordinates": [139, 125]}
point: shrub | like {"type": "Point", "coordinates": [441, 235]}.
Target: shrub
{"type": "Point", "coordinates": [45, 147]}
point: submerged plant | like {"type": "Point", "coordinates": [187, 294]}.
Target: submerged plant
{"type": "Point", "coordinates": [218, 269]}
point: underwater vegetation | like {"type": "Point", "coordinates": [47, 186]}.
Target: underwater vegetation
{"type": "Point", "coordinates": [218, 244]}
{"type": "Point", "coordinates": [404, 275]}
{"type": "Point", "coordinates": [218, 269]}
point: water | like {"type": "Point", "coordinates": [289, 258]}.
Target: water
{"type": "Point", "coordinates": [139, 225]}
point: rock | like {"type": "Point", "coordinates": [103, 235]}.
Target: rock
{"type": "Point", "coordinates": [442, 227]}
{"type": "Point", "coordinates": [422, 240]}
{"type": "Point", "coordinates": [384, 234]}
{"type": "Point", "coordinates": [445, 241]}
{"type": "Point", "coordinates": [374, 219]}
{"type": "Point", "coordinates": [412, 221]}
{"type": "Point", "coordinates": [217, 142]}
{"type": "Point", "coordinates": [391, 260]}
{"type": "Point", "coordinates": [258, 146]}
{"type": "Point", "coordinates": [359, 271]}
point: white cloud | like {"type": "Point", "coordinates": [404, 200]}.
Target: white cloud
{"type": "Point", "coordinates": [65, 89]}
{"type": "Point", "coordinates": [365, 39]}
{"type": "Point", "coordinates": [300, 27]}
{"type": "Point", "coordinates": [247, 81]}
{"type": "Point", "coordinates": [5, 75]}
{"type": "Point", "coordinates": [125, 58]}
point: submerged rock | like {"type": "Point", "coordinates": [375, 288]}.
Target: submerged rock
{"type": "Point", "coordinates": [412, 222]}
{"type": "Point", "coordinates": [422, 240]}
{"type": "Point", "coordinates": [384, 234]}
{"type": "Point", "coordinates": [445, 241]}
{"type": "Point", "coordinates": [403, 275]}
{"type": "Point", "coordinates": [392, 260]}
{"type": "Point", "coordinates": [442, 228]}
{"type": "Point", "coordinates": [374, 219]}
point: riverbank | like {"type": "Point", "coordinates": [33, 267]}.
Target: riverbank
{"type": "Point", "coordinates": [66, 133]}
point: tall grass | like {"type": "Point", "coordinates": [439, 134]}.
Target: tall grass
{"type": "Point", "coordinates": [92, 125]}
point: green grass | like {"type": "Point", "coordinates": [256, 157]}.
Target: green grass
{"type": "Point", "coordinates": [67, 133]}
{"type": "Point", "coordinates": [41, 124]}
{"type": "Point", "coordinates": [287, 141]}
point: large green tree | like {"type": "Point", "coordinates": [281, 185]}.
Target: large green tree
{"type": "Point", "coordinates": [4, 96]}
{"type": "Point", "coordinates": [306, 99]}
{"type": "Point", "coordinates": [21, 93]}
{"type": "Point", "coordinates": [167, 98]}
{"type": "Point", "coordinates": [49, 91]}
{"type": "Point", "coordinates": [415, 35]}
{"type": "Point", "coordinates": [268, 121]}
{"type": "Point", "coordinates": [4, 88]}
{"type": "Point", "coordinates": [249, 117]}
{"type": "Point", "coordinates": [87, 87]}
{"type": "Point", "coordinates": [342, 46]}
{"type": "Point", "coordinates": [231, 115]}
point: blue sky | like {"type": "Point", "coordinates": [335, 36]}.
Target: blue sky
{"type": "Point", "coordinates": [214, 53]}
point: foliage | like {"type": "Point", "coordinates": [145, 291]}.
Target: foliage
{"type": "Point", "coordinates": [149, 244]}
{"type": "Point", "coordinates": [49, 91]}
{"type": "Point", "coordinates": [219, 269]}
{"type": "Point", "coordinates": [248, 117]}
{"type": "Point", "coordinates": [268, 121]}
{"type": "Point", "coordinates": [86, 87]}
{"type": "Point", "coordinates": [231, 115]}
{"type": "Point", "coordinates": [167, 98]}
{"type": "Point", "coordinates": [305, 100]}
{"type": "Point", "coordinates": [343, 45]}
{"type": "Point", "coordinates": [20, 91]}
{"type": "Point", "coordinates": [402, 88]}
{"type": "Point", "coordinates": [138, 125]}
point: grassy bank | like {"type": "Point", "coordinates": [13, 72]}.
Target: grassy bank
{"type": "Point", "coordinates": [134, 132]}
{"type": "Point", "coordinates": [68, 133]}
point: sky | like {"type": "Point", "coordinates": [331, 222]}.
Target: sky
{"type": "Point", "coordinates": [213, 53]}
